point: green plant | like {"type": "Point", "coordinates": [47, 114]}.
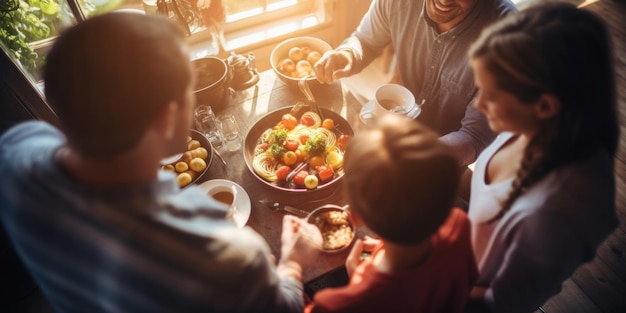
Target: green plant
{"type": "Point", "coordinates": [20, 25]}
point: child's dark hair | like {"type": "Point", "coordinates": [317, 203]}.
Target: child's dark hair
{"type": "Point", "coordinates": [401, 180]}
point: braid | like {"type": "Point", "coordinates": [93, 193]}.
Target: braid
{"type": "Point", "coordinates": [538, 160]}
{"type": "Point", "coordinates": [519, 184]}
{"type": "Point", "coordinates": [529, 54]}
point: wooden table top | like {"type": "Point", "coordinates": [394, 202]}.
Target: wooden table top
{"type": "Point", "coordinates": [248, 106]}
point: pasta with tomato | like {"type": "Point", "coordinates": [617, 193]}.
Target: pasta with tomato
{"type": "Point", "coordinates": [308, 140]}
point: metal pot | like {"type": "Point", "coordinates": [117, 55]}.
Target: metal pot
{"type": "Point", "coordinates": [213, 79]}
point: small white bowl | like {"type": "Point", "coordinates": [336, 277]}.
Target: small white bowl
{"type": "Point", "coordinates": [281, 52]}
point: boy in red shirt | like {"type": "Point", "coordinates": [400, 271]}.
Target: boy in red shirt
{"type": "Point", "coordinates": [401, 183]}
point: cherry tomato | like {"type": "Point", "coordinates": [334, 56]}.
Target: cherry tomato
{"type": "Point", "coordinates": [289, 121]}
{"type": "Point", "coordinates": [303, 138]}
{"type": "Point", "coordinates": [307, 120]}
{"type": "Point", "coordinates": [282, 172]}
{"type": "Point", "coordinates": [328, 124]}
{"type": "Point", "coordinates": [291, 144]}
{"type": "Point", "coordinates": [325, 171]}
{"type": "Point", "coordinates": [290, 158]}
{"type": "Point", "coordinates": [299, 178]}
{"type": "Point", "coordinates": [315, 161]}
{"type": "Point", "coordinates": [342, 141]}
{"type": "Point", "coordinates": [299, 155]}
{"type": "Point", "coordinates": [303, 152]}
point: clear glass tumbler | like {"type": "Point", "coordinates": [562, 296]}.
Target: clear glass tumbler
{"type": "Point", "coordinates": [230, 132]}
{"type": "Point", "coordinates": [207, 123]}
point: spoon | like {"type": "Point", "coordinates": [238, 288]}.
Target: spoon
{"type": "Point", "coordinates": [303, 84]}
{"type": "Point", "coordinates": [279, 207]}
{"type": "Point", "coordinates": [219, 155]}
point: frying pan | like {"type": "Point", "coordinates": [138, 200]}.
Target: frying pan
{"type": "Point", "coordinates": [270, 120]}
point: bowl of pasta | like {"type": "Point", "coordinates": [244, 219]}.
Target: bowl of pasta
{"type": "Point", "coordinates": [296, 150]}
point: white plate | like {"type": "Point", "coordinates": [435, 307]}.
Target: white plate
{"type": "Point", "coordinates": [171, 159]}
{"type": "Point", "coordinates": [243, 200]}
{"type": "Point", "coordinates": [368, 108]}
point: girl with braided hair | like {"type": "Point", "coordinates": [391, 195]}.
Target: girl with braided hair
{"type": "Point", "coordinates": [543, 193]}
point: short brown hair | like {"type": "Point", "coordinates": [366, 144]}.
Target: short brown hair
{"type": "Point", "coordinates": [401, 179]}
{"type": "Point", "coordinates": [109, 77]}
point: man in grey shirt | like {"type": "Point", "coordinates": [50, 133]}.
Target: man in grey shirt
{"type": "Point", "coordinates": [430, 39]}
{"type": "Point", "coordinates": [99, 227]}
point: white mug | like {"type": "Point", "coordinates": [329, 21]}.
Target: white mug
{"type": "Point", "coordinates": [395, 99]}
{"type": "Point", "coordinates": [226, 195]}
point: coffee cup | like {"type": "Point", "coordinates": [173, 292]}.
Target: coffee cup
{"type": "Point", "coordinates": [226, 195]}
{"type": "Point", "coordinates": [392, 99]}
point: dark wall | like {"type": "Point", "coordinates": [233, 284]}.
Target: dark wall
{"type": "Point", "coordinates": [11, 112]}
{"type": "Point", "coordinates": [19, 99]}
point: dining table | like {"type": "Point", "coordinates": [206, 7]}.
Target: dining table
{"type": "Point", "coordinates": [248, 106]}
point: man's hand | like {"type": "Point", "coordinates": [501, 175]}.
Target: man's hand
{"type": "Point", "coordinates": [301, 242]}
{"type": "Point", "coordinates": [334, 64]}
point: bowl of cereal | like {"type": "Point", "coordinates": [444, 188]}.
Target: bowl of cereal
{"type": "Point", "coordinates": [192, 164]}
{"type": "Point", "coordinates": [333, 221]}
{"type": "Point", "coordinates": [294, 58]}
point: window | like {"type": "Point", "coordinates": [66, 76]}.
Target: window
{"type": "Point", "coordinates": [228, 24]}
{"type": "Point", "coordinates": [218, 26]}
{"type": "Point", "coordinates": [246, 22]}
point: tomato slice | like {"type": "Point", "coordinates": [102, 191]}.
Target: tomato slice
{"type": "Point", "coordinates": [291, 144]}
{"type": "Point", "coordinates": [304, 138]}
{"type": "Point", "coordinates": [282, 172]}
{"type": "Point", "coordinates": [342, 141]}
{"type": "Point", "coordinates": [325, 172]}
{"type": "Point", "coordinates": [307, 120]}
{"type": "Point", "coordinates": [299, 178]}
{"type": "Point", "coordinates": [261, 148]}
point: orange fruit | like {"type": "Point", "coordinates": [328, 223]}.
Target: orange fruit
{"type": "Point", "coordinates": [328, 124]}
{"type": "Point", "coordinates": [290, 158]}
{"type": "Point", "coordinates": [316, 161]}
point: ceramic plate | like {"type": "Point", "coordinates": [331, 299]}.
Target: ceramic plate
{"type": "Point", "coordinates": [243, 200]}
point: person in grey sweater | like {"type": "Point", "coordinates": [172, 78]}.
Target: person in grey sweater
{"type": "Point", "coordinates": [543, 194]}
{"type": "Point", "coordinates": [430, 39]}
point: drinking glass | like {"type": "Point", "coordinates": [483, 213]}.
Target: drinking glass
{"type": "Point", "coordinates": [230, 132]}
{"type": "Point", "coordinates": [207, 123]}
